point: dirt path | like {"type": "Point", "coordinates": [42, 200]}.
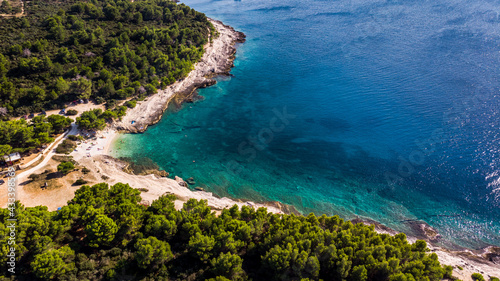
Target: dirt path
{"type": "Point", "coordinates": [48, 153]}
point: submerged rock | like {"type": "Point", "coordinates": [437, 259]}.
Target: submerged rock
{"type": "Point", "coordinates": [191, 181]}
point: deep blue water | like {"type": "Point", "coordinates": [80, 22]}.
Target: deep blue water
{"type": "Point", "coordinates": [392, 113]}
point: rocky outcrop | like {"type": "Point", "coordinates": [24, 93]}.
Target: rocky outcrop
{"type": "Point", "coordinates": [284, 208]}
{"type": "Point", "coordinates": [424, 231]}
{"type": "Point", "coordinates": [492, 254]}
{"type": "Point", "coordinates": [180, 181]}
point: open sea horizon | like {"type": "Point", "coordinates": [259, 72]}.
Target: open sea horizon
{"type": "Point", "coordinates": [381, 110]}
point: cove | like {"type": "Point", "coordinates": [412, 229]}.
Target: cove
{"type": "Point", "coordinates": [395, 111]}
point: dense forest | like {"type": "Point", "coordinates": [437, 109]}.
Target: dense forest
{"type": "Point", "coordinates": [62, 51]}
{"type": "Point", "coordinates": [109, 233]}
{"type": "Point", "coordinates": [21, 136]}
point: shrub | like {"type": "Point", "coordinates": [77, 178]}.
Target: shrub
{"type": "Point", "coordinates": [65, 167]}
{"type": "Point", "coordinates": [85, 170]}
{"type": "Point", "coordinates": [100, 100]}
{"type": "Point", "coordinates": [142, 189]}
{"type": "Point", "coordinates": [477, 277]}
{"type": "Point", "coordinates": [73, 137]}
{"type": "Point", "coordinates": [63, 158]}
{"type": "Point", "coordinates": [494, 279]}
{"type": "Point", "coordinates": [34, 177]}
{"type": "Point", "coordinates": [104, 177]}
{"type": "Point", "coordinates": [448, 271]}
{"type": "Point", "coordinates": [131, 104]}
{"type": "Point", "coordinates": [80, 182]}
{"type": "Point", "coordinates": [71, 112]}
{"type": "Point", "coordinates": [66, 147]}
{"type": "Point", "coordinates": [110, 104]}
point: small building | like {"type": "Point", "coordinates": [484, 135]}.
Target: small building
{"type": "Point", "coordinates": [13, 158]}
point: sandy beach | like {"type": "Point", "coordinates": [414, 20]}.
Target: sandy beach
{"type": "Point", "coordinates": [217, 60]}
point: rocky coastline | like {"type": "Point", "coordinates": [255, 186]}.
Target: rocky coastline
{"type": "Point", "coordinates": [464, 261]}
{"type": "Point", "coordinates": [217, 60]}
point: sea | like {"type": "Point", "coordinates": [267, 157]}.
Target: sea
{"type": "Point", "coordinates": [383, 110]}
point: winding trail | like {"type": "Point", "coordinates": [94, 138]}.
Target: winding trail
{"type": "Point", "coordinates": [47, 153]}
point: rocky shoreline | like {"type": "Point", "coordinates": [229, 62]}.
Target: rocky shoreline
{"type": "Point", "coordinates": [127, 166]}
{"type": "Point", "coordinates": [217, 60]}
{"type": "Point", "coordinates": [464, 261]}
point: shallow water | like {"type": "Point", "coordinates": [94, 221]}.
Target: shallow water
{"type": "Point", "coordinates": [387, 110]}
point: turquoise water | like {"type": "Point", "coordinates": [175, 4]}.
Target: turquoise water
{"type": "Point", "coordinates": [387, 110]}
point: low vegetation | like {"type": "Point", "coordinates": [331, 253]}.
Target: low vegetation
{"type": "Point", "coordinates": [65, 167]}
{"type": "Point", "coordinates": [73, 137]}
{"type": "Point", "coordinates": [107, 234]}
{"type": "Point", "coordinates": [477, 277]}
{"type": "Point", "coordinates": [131, 104]}
{"type": "Point", "coordinates": [10, 7]}
{"type": "Point", "coordinates": [80, 182]}
{"type": "Point", "coordinates": [71, 112]}
{"type": "Point", "coordinates": [66, 146]}
{"type": "Point", "coordinates": [35, 177]}
{"type": "Point", "coordinates": [63, 158]}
